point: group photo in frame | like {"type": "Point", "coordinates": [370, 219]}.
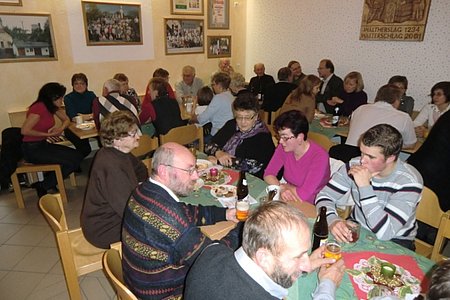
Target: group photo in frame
{"type": "Point", "coordinates": [218, 14]}
{"type": "Point", "coordinates": [183, 36]}
{"type": "Point", "coordinates": [26, 37]}
{"type": "Point", "coordinates": [108, 23]}
{"type": "Point", "coordinates": [219, 46]}
{"type": "Point", "coordinates": [11, 2]}
{"type": "Point", "coordinates": [186, 7]}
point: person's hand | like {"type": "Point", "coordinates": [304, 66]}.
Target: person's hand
{"type": "Point", "coordinates": [361, 175]}
{"type": "Point", "coordinates": [231, 215]}
{"type": "Point", "coordinates": [317, 258]}
{"type": "Point", "coordinates": [288, 193]}
{"type": "Point", "coordinates": [337, 100]}
{"type": "Point", "coordinates": [334, 272]}
{"type": "Point", "coordinates": [331, 102]}
{"type": "Point", "coordinates": [55, 131]}
{"type": "Point", "coordinates": [224, 158]}
{"type": "Point", "coordinates": [212, 159]}
{"type": "Point", "coordinates": [340, 231]}
{"type": "Point", "coordinates": [420, 131]}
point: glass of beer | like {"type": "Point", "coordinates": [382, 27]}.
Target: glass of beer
{"type": "Point", "coordinates": [242, 209]}
{"type": "Point", "coordinates": [333, 250]}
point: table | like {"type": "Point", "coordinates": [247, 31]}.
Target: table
{"type": "Point", "coordinates": [304, 286]}
{"type": "Point", "coordinates": [83, 134]}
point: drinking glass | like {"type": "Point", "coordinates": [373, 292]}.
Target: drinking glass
{"type": "Point", "coordinates": [242, 209]}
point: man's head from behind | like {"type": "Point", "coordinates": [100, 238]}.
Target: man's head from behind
{"type": "Point", "coordinates": [285, 74]}
{"type": "Point", "coordinates": [440, 282]}
{"type": "Point", "coordinates": [277, 238]}
{"type": "Point", "coordinates": [111, 85]}
{"type": "Point", "coordinates": [389, 93]}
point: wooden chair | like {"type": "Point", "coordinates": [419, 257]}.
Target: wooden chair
{"type": "Point", "coordinates": [274, 115]}
{"type": "Point", "coordinates": [78, 256]}
{"type": "Point", "coordinates": [321, 139]}
{"type": "Point", "coordinates": [112, 264]}
{"type": "Point", "coordinates": [34, 168]}
{"type": "Point", "coordinates": [184, 135]}
{"type": "Point", "coordinates": [146, 145]}
{"type": "Point", "coordinates": [148, 163]}
{"type": "Point", "coordinates": [442, 234]}
{"type": "Point", "coordinates": [429, 212]}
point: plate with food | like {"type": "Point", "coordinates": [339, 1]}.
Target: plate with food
{"type": "Point", "coordinates": [212, 180]}
{"type": "Point", "coordinates": [224, 191]}
{"type": "Point", "coordinates": [326, 122]}
{"type": "Point", "coordinates": [203, 164]}
{"type": "Point", "coordinates": [378, 277]}
{"type": "Point", "coordinates": [85, 126]}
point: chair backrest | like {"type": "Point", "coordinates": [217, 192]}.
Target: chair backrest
{"type": "Point", "coordinates": [148, 163]}
{"type": "Point", "coordinates": [274, 115]}
{"type": "Point", "coordinates": [184, 135]}
{"type": "Point", "coordinates": [112, 263]}
{"type": "Point", "coordinates": [321, 139]}
{"type": "Point", "coordinates": [429, 212]}
{"type": "Point", "coordinates": [53, 210]}
{"type": "Point", "coordinates": [442, 234]}
{"type": "Point", "coordinates": [146, 145]}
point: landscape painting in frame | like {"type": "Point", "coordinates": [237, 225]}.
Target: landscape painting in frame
{"type": "Point", "coordinates": [26, 37]}
{"type": "Point", "coordinates": [184, 36]}
{"type": "Point", "coordinates": [11, 2]}
{"type": "Point", "coordinates": [112, 23]}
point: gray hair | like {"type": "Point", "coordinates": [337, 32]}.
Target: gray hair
{"type": "Point", "coordinates": [188, 68]}
{"type": "Point", "coordinates": [162, 156]}
{"type": "Point", "coordinates": [237, 81]}
{"type": "Point", "coordinates": [112, 85]}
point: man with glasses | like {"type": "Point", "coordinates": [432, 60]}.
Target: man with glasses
{"type": "Point", "coordinates": [331, 86]}
{"type": "Point", "coordinates": [160, 234]}
{"type": "Point", "coordinates": [189, 86]}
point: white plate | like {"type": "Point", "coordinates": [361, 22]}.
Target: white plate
{"type": "Point", "coordinates": [85, 126]}
{"type": "Point", "coordinates": [203, 164]}
{"type": "Point", "coordinates": [224, 191]}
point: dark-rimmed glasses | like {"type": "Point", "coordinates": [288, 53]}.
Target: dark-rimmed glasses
{"type": "Point", "coordinates": [190, 171]}
{"type": "Point", "coordinates": [244, 118]}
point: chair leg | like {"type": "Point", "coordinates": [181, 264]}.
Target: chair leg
{"type": "Point", "coordinates": [61, 187]}
{"type": "Point", "coordinates": [73, 179]}
{"type": "Point", "coordinates": [17, 190]}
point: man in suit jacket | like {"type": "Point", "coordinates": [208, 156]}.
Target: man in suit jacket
{"type": "Point", "coordinates": [258, 84]}
{"type": "Point", "coordinates": [331, 86]}
{"type": "Point", "coordinates": [278, 92]}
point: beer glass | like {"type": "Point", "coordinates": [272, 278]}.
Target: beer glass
{"type": "Point", "coordinates": [242, 209]}
{"type": "Point", "coordinates": [333, 250]}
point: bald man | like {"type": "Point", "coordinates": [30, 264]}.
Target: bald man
{"type": "Point", "coordinates": [260, 82]}
{"type": "Point", "coordinates": [160, 234]}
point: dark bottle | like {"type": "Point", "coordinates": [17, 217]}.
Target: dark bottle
{"type": "Point", "coordinates": [335, 118]}
{"type": "Point", "coordinates": [242, 187]}
{"type": "Point", "coordinates": [320, 230]}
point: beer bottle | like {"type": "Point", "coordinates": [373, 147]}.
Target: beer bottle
{"type": "Point", "coordinates": [320, 231]}
{"type": "Point", "coordinates": [335, 118]}
{"type": "Point", "coordinates": [242, 187]}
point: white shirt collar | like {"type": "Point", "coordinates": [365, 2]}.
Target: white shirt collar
{"type": "Point", "coordinates": [172, 194]}
{"type": "Point", "coordinates": [258, 274]}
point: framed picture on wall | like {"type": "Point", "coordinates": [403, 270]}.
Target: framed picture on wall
{"type": "Point", "coordinates": [218, 14]}
{"type": "Point", "coordinates": [183, 36]}
{"type": "Point", "coordinates": [112, 23]}
{"type": "Point", "coordinates": [186, 7]}
{"type": "Point", "coordinates": [26, 37]}
{"type": "Point", "coordinates": [11, 2]}
{"type": "Point", "coordinates": [219, 46]}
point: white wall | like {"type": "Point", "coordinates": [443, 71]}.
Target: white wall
{"type": "Point", "coordinates": [309, 30]}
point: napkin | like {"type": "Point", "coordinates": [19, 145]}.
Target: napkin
{"type": "Point", "coordinates": [406, 262]}
{"type": "Point", "coordinates": [231, 202]}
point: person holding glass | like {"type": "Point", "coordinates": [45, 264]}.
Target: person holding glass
{"type": "Point", "coordinates": [306, 164]}
{"type": "Point", "coordinates": [243, 138]}
{"type": "Point", "coordinates": [115, 173]}
{"type": "Point", "coordinates": [38, 126]}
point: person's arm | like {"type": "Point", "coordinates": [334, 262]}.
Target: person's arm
{"type": "Point", "coordinates": [179, 91]}
{"type": "Point", "coordinates": [148, 113]}
{"type": "Point", "coordinates": [65, 122]}
{"type": "Point", "coordinates": [70, 109]}
{"type": "Point", "coordinates": [140, 169]}
{"type": "Point", "coordinates": [329, 279]}
{"type": "Point", "coordinates": [318, 169]}
{"type": "Point", "coordinates": [212, 109]}
{"type": "Point", "coordinates": [422, 117]}
{"type": "Point", "coordinates": [96, 113]}
{"type": "Point", "coordinates": [27, 127]}
{"type": "Point", "coordinates": [409, 135]}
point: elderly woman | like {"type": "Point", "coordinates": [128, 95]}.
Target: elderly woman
{"type": "Point", "coordinates": [237, 85]}
{"type": "Point", "coordinates": [306, 164]}
{"type": "Point", "coordinates": [38, 126]}
{"type": "Point", "coordinates": [125, 88]}
{"type": "Point", "coordinates": [352, 96]}
{"type": "Point", "coordinates": [430, 113]}
{"type": "Point", "coordinates": [303, 98]}
{"type": "Point", "coordinates": [115, 173]}
{"type": "Point", "coordinates": [244, 137]}
{"type": "Point", "coordinates": [219, 110]}
{"type": "Point", "coordinates": [79, 102]}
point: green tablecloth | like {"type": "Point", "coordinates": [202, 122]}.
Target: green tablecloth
{"type": "Point", "coordinates": [304, 286]}
{"type": "Point", "coordinates": [329, 132]}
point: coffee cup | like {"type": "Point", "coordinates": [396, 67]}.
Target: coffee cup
{"type": "Point", "coordinates": [79, 120]}
{"type": "Point", "coordinates": [273, 188]}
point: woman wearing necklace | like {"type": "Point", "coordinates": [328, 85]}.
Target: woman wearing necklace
{"type": "Point", "coordinates": [245, 138]}
{"type": "Point", "coordinates": [306, 164]}
{"type": "Point", "coordinates": [430, 113]}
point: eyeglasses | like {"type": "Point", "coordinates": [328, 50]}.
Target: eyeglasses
{"type": "Point", "coordinates": [286, 138]}
{"type": "Point", "coordinates": [244, 118]}
{"type": "Point", "coordinates": [134, 133]}
{"type": "Point", "coordinates": [190, 171]}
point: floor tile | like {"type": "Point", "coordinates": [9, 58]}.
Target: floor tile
{"type": "Point", "coordinates": [51, 287]}
{"type": "Point", "coordinates": [29, 235]}
{"type": "Point", "coordinates": [57, 269]}
{"type": "Point", "coordinates": [18, 285]}
{"type": "Point", "coordinates": [93, 289]}
{"type": "Point", "coordinates": [12, 255]}
{"type": "Point", "coordinates": [21, 216]}
{"type": "Point", "coordinates": [6, 210]}
{"type": "Point", "coordinates": [39, 260]}
{"type": "Point", "coordinates": [7, 231]}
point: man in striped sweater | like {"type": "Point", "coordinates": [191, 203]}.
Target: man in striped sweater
{"type": "Point", "coordinates": [386, 190]}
